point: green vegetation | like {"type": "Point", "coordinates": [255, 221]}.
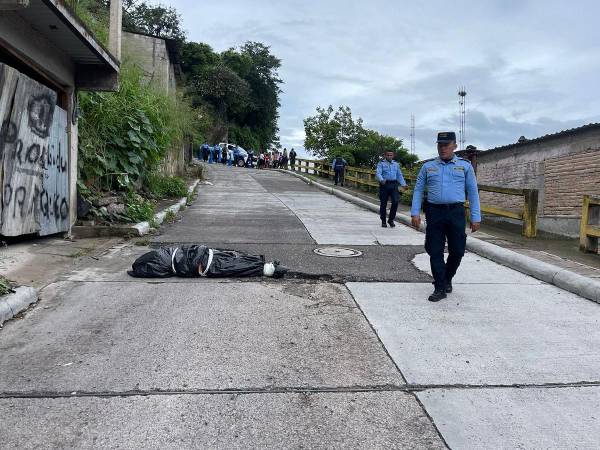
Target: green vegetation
{"type": "Point", "coordinates": [330, 134]}
{"type": "Point", "coordinates": [171, 216]}
{"type": "Point", "coordinates": [166, 187]}
{"type": "Point", "coordinates": [6, 287]}
{"type": "Point", "coordinates": [139, 209]}
{"type": "Point", "coordinates": [124, 135]}
{"type": "Point", "coordinates": [138, 16]}
{"type": "Point", "coordinates": [240, 90]}
{"type": "Point", "coordinates": [94, 14]}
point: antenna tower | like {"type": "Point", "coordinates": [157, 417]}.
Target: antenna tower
{"type": "Point", "coordinates": [462, 94]}
{"type": "Point", "coordinates": [412, 134]}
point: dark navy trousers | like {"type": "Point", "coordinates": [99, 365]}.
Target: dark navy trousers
{"type": "Point", "coordinates": [387, 191]}
{"type": "Point", "coordinates": [445, 222]}
{"type": "Point", "coordinates": [339, 175]}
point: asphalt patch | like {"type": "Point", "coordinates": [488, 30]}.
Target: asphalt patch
{"type": "Point", "coordinates": [377, 263]}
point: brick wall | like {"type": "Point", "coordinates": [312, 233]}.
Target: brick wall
{"type": "Point", "coordinates": [567, 179]}
{"type": "Point", "coordinates": [508, 174]}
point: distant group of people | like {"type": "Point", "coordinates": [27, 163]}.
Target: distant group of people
{"type": "Point", "coordinates": [276, 159]}
{"type": "Point", "coordinates": [215, 154]}
{"type": "Point", "coordinates": [232, 154]}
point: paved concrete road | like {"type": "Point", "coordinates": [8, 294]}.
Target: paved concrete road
{"type": "Point", "coordinates": [346, 352]}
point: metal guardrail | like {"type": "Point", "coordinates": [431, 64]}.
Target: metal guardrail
{"type": "Point", "coordinates": [366, 177]}
{"type": "Point", "coordinates": [589, 233]}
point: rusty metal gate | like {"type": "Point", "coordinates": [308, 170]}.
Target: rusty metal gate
{"type": "Point", "coordinates": [34, 170]}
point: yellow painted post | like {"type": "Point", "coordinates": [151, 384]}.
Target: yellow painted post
{"type": "Point", "coordinates": [530, 210]}
{"type": "Point", "coordinates": [585, 211]}
{"type": "Point", "coordinates": [589, 232]}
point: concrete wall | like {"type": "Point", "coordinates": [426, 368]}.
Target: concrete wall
{"type": "Point", "coordinates": [151, 55]}
{"type": "Point", "coordinates": [562, 168]}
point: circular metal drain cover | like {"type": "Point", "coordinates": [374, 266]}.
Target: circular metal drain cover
{"type": "Point", "coordinates": [337, 252]}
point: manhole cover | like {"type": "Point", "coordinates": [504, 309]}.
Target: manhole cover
{"type": "Point", "coordinates": [337, 252]}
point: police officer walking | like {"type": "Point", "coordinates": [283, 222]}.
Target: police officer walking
{"type": "Point", "coordinates": [339, 167]}
{"type": "Point", "coordinates": [446, 180]}
{"type": "Point", "coordinates": [389, 175]}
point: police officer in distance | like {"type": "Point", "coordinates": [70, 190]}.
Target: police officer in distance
{"type": "Point", "coordinates": [389, 175]}
{"type": "Point", "coordinates": [446, 179]}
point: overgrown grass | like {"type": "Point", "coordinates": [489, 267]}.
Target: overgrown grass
{"type": "Point", "coordinates": [171, 216]}
{"type": "Point", "coordinates": [93, 15]}
{"type": "Point", "coordinates": [163, 186]}
{"type": "Point", "coordinates": [6, 287]}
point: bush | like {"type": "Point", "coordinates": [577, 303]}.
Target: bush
{"type": "Point", "coordinates": [138, 209]}
{"type": "Point", "coordinates": [6, 287]}
{"type": "Point", "coordinates": [125, 135]}
{"type": "Point", "coordinates": [166, 187]}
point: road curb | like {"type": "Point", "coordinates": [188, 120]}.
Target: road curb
{"type": "Point", "coordinates": [13, 304]}
{"type": "Point", "coordinates": [549, 273]}
{"type": "Point", "coordinates": [144, 227]}
{"type": "Point", "coordinates": [136, 230]}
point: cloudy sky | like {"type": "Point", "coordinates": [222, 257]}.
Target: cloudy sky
{"type": "Point", "coordinates": [530, 67]}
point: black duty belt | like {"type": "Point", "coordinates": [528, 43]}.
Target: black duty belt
{"type": "Point", "coordinates": [391, 181]}
{"type": "Point", "coordinates": [445, 205]}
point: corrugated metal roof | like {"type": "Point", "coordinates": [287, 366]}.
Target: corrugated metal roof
{"type": "Point", "coordinates": [570, 131]}
{"type": "Point", "coordinates": [57, 23]}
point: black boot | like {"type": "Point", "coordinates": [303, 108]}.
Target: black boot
{"type": "Point", "coordinates": [383, 224]}
{"type": "Point", "coordinates": [448, 287]}
{"type": "Point", "coordinates": [392, 224]}
{"type": "Point", "coordinates": [437, 295]}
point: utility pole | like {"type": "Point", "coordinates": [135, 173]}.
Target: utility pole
{"type": "Point", "coordinates": [462, 94]}
{"type": "Point", "coordinates": [412, 134]}
{"type": "Point", "coordinates": [115, 27]}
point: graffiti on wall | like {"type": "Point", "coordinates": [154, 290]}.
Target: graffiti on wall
{"type": "Point", "coordinates": [33, 158]}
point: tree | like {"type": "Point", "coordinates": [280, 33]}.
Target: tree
{"type": "Point", "coordinates": [373, 144]}
{"type": "Point", "coordinates": [196, 56]}
{"type": "Point", "coordinates": [326, 130]}
{"type": "Point", "coordinates": [224, 90]}
{"type": "Point", "coordinates": [330, 134]}
{"type": "Point", "coordinates": [264, 82]}
{"type": "Point", "coordinates": [161, 21]}
{"type": "Point", "coordinates": [240, 86]}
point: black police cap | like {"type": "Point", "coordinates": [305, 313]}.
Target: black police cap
{"type": "Point", "coordinates": [446, 137]}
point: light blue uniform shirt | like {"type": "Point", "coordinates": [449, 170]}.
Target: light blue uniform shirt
{"type": "Point", "coordinates": [389, 171]}
{"type": "Point", "coordinates": [341, 165]}
{"type": "Point", "coordinates": [447, 182]}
